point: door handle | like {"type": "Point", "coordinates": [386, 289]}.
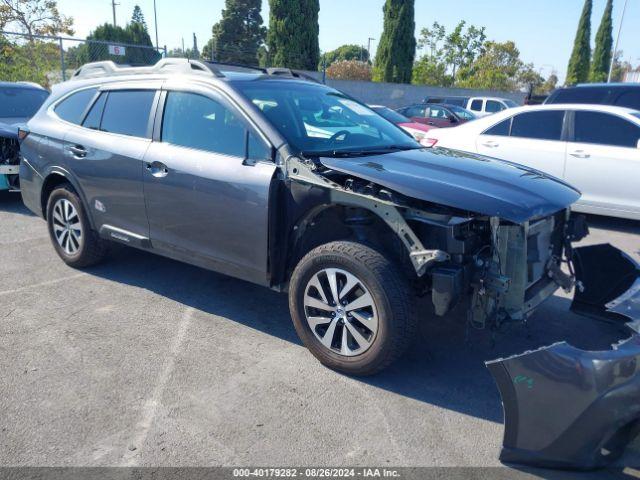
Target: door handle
{"type": "Point", "coordinates": [580, 154]}
{"type": "Point", "coordinates": [158, 169]}
{"type": "Point", "coordinates": [78, 151]}
{"type": "Point", "coordinates": [430, 123]}
{"type": "Point", "coordinates": [491, 144]}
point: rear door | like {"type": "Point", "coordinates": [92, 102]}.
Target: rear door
{"type": "Point", "coordinates": [416, 113]}
{"type": "Point", "coordinates": [106, 155]}
{"type": "Point", "coordinates": [438, 116]}
{"type": "Point", "coordinates": [207, 178]}
{"type": "Point", "coordinates": [534, 139]}
{"type": "Point", "coordinates": [603, 161]}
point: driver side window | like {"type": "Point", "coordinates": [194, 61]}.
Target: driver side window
{"type": "Point", "coordinates": [195, 121]}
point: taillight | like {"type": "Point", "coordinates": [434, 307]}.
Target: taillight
{"type": "Point", "coordinates": [429, 142]}
{"type": "Point", "coordinates": [22, 133]}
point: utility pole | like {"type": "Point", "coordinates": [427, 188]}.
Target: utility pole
{"type": "Point", "coordinates": [155, 21]}
{"type": "Point", "coordinates": [113, 6]}
{"type": "Point", "coordinates": [369, 46]}
{"type": "Point", "coordinates": [615, 49]}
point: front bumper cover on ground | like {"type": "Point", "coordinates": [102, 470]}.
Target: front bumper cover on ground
{"type": "Point", "coordinates": [569, 408]}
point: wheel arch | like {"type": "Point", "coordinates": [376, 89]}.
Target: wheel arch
{"type": "Point", "coordinates": [54, 178]}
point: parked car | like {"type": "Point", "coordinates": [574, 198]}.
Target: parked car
{"type": "Point", "coordinates": [19, 101]}
{"type": "Point", "coordinates": [616, 94]}
{"type": "Point", "coordinates": [221, 170]}
{"type": "Point", "coordinates": [437, 115]}
{"type": "Point", "coordinates": [480, 106]}
{"type": "Point", "coordinates": [417, 130]}
{"type": "Point", "coordinates": [594, 147]}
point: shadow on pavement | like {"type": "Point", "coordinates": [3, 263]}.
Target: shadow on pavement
{"type": "Point", "coordinates": [621, 225]}
{"type": "Point", "coordinates": [445, 367]}
{"type": "Point", "coordinates": [11, 202]}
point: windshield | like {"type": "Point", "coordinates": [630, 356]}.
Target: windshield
{"type": "Point", "coordinates": [317, 120]}
{"type": "Point", "coordinates": [391, 115]}
{"type": "Point", "coordinates": [20, 102]}
{"type": "Point", "coordinates": [510, 103]}
{"type": "Point", "coordinates": [462, 112]}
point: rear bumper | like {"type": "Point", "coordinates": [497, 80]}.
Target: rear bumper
{"type": "Point", "coordinates": [569, 408]}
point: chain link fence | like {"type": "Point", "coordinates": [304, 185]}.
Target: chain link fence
{"type": "Point", "coordinates": [48, 60]}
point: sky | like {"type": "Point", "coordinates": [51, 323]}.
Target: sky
{"type": "Point", "coordinates": [543, 30]}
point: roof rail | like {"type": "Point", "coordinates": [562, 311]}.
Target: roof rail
{"type": "Point", "coordinates": [165, 65]}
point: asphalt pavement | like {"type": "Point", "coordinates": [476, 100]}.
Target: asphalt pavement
{"type": "Point", "coordinates": [144, 361]}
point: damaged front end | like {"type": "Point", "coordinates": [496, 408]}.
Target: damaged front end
{"type": "Point", "coordinates": [9, 159]}
{"type": "Point", "coordinates": [569, 408]}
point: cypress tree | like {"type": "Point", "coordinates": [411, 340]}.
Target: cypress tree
{"type": "Point", "coordinates": [578, 69]}
{"type": "Point", "coordinates": [397, 47]}
{"type": "Point", "coordinates": [138, 17]}
{"type": "Point", "coordinates": [239, 34]}
{"type": "Point", "coordinates": [293, 34]}
{"type": "Point", "coordinates": [604, 43]}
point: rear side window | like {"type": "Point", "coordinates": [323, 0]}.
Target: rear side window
{"type": "Point", "coordinates": [604, 129]}
{"type": "Point", "coordinates": [127, 112]}
{"type": "Point", "coordinates": [476, 105]}
{"type": "Point", "coordinates": [502, 129]}
{"type": "Point", "coordinates": [494, 107]}
{"type": "Point", "coordinates": [416, 111]}
{"type": "Point", "coordinates": [73, 107]}
{"type": "Point", "coordinates": [538, 125]}
{"type": "Point", "coordinates": [199, 122]}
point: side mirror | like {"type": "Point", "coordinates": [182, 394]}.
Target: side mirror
{"type": "Point", "coordinates": [453, 119]}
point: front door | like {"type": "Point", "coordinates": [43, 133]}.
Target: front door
{"type": "Point", "coordinates": [206, 181]}
{"type": "Point", "coordinates": [533, 139]}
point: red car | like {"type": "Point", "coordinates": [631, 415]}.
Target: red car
{"type": "Point", "coordinates": [437, 114]}
{"type": "Point", "coordinates": [417, 130]}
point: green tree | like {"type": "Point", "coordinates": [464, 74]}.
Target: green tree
{"type": "Point", "coordinates": [397, 47]}
{"type": "Point", "coordinates": [462, 47]}
{"type": "Point", "coordinates": [498, 68]}
{"type": "Point", "coordinates": [548, 86]}
{"type": "Point", "coordinates": [578, 69]}
{"type": "Point", "coordinates": [445, 54]}
{"type": "Point", "coordinates": [133, 33]}
{"type": "Point", "coordinates": [293, 34]}
{"type": "Point", "coordinates": [238, 35]}
{"type": "Point", "coordinates": [138, 17]}
{"type": "Point", "coordinates": [604, 43]}
{"type": "Point", "coordinates": [34, 17]}
{"type": "Point", "coordinates": [346, 52]}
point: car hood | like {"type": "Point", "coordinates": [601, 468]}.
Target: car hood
{"type": "Point", "coordinates": [463, 180]}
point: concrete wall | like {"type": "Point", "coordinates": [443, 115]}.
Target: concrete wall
{"type": "Point", "coordinates": [397, 95]}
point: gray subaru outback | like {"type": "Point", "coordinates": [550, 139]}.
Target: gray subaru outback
{"type": "Point", "coordinates": [271, 177]}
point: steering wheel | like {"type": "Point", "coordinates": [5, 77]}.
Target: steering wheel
{"type": "Point", "coordinates": [335, 136]}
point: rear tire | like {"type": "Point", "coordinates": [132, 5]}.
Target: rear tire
{"type": "Point", "coordinates": [370, 325]}
{"type": "Point", "coordinates": [70, 231]}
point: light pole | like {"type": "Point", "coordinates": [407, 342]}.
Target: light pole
{"type": "Point", "coordinates": [615, 49]}
{"type": "Point", "coordinates": [113, 6]}
{"type": "Point", "coordinates": [155, 21]}
{"type": "Point", "coordinates": [369, 46]}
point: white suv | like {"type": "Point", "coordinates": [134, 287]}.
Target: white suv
{"type": "Point", "coordinates": [480, 106]}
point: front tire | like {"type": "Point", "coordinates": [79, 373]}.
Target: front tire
{"type": "Point", "coordinates": [70, 231]}
{"type": "Point", "coordinates": [351, 307]}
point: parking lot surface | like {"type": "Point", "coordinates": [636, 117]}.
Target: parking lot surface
{"type": "Point", "coordinates": [148, 362]}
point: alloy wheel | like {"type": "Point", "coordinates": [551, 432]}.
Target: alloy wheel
{"type": "Point", "coordinates": [67, 228]}
{"type": "Point", "coordinates": [341, 312]}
